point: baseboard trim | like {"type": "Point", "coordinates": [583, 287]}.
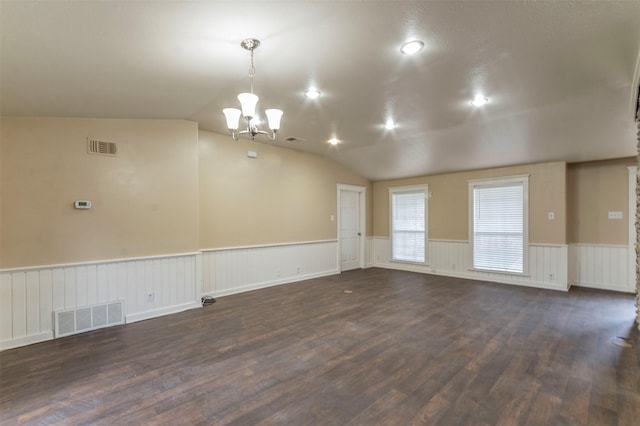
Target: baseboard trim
{"type": "Point", "coordinates": [27, 340]}
{"type": "Point", "coordinates": [154, 313]}
{"type": "Point", "coordinates": [602, 286]}
{"type": "Point", "coordinates": [266, 284]}
{"type": "Point", "coordinates": [470, 276]}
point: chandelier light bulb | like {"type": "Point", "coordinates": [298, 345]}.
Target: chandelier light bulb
{"type": "Point", "coordinates": [389, 125]}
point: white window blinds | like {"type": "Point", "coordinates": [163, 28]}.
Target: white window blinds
{"type": "Point", "coordinates": [409, 224]}
{"type": "Point", "coordinates": [499, 226]}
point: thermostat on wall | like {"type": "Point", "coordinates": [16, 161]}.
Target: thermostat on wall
{"type": "Point", "coordinates": [82, 204]}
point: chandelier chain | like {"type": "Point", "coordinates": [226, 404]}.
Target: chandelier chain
{"type": "Point", "coordinates": [252, 71]}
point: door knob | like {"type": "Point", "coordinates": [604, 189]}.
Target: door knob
{"type": "Point", "coordinates": [359, 234]}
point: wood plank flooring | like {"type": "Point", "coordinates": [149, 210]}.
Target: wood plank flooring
{"type": "Point", "coordinates": [402, 349]}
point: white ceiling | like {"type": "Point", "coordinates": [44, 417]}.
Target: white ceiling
{"type": "Point", "coordinates": [559, 75]}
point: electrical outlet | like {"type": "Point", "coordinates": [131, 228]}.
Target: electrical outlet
{"type": "Point", "coordinates": [453, 266]}
{"type": "Point", "coordinates": [278, 273]}
{"type": "Point", "coordinates": [551, 277]}
{"type": "Point", "coordinates": [298, 270]}
{"type": "Point", "coordinates": [551, 215]}
{"type": "Point", "coordinates": [149, 297]}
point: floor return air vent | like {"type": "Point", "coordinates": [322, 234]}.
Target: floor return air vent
{"type": "Point", "coordinates": [87, 318]}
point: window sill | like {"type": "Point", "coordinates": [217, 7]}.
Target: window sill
{"type": "Point", "coordinates": [407, 262]}
{"type": "Point", "coordinates": [493, 271]}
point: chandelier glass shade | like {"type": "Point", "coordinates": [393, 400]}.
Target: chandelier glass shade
{"type": "Point", "coordinates": [248, 104]}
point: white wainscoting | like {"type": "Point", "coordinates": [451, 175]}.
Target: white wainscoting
{"type": "Point", "coordinates": [547, 263]}
{"type": "Point", "coordinates": [601, 266]}
{"type": "Point", "coordinates": [29, 296]}
{"type": "Point", "coordinates": [237, 269]}
{"type": "Point", "coordinates": [369, 252]}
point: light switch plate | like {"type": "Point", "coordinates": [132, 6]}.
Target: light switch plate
{"type": "Point", "coordinates": [615, 215]}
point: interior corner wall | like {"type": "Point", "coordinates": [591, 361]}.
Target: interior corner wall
{"type": "Point", "coordinates": [595, 189]}
{"type": "Point", "coordinates": [138, 242]}
{"type": "Point", "coordinates": [448, 220]}
{"type": "Point", "coordinates": [282, 196]}
{"type": "Point", "coordinates": [267, 220]}
{"type": "Point", "coordinates": [599, 245]}
{"type": "Point", "coordinates": [145, 199]}
{"type": "Point", "coordinates": [448, 204]}
{"type": "Point", "coordinates": [172, 215]}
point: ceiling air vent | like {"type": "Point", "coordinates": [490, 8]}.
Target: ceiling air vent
{"type": "Point", "coordinates": [294, 139]}
{"type": "Point", "coordinates": [95, 146]}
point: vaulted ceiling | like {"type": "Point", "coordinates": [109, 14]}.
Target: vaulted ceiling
{"type": "Point", "coordinates": [559, 76]}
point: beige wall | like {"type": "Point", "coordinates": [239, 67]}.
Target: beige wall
{"type": "Point", "coordinates": [594, 189]}
{"type": "Point", "coordinates": [282, 196]}
{"type": "Point", "coordinates": [448, 205]}
{"type": "Point", "coordinates": [172, 189]}
{"type": "Point", "coordinates": [145, 200]}
{"type": "Point", "coordinates": [149, 200]}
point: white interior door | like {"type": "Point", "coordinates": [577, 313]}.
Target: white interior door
{"type": "Point", "coordinates": [350, 234]}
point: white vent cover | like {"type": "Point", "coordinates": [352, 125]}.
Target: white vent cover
{"type": "Point", "coordinates": [74, 321]}
{"type": "Point", "coordinates": [95, 146]}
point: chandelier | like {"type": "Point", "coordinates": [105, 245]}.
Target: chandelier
{"type": "Point", "coordinates": [248, 103]}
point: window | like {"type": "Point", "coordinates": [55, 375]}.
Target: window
{"type": "Point", "coordinates": [409, 223]}
{"type": "Point", "coordinates": [499, 224]}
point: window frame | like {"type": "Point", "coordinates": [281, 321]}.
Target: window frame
{"type": "Point", "coordinates": [493, 183]}
{"type": "Point", "coordinates": [424, 188]}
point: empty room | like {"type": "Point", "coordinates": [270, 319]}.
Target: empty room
{"type": "Point", "coordinates": [319, 212]}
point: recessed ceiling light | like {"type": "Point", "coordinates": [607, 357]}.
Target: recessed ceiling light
{"type": "Point", "coordinates": [334, 141]}
{"type": "Point", "coordinates": [412, 47]}
{"type": "Point", "coordinates": [479, 101]}
{"type": "Point", "coordinates": [389, 125]}
{"type": "Point", "coordinates": [312, 93]}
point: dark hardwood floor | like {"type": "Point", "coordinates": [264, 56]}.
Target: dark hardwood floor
{"type": "Point", "coordinates": [401, 349]}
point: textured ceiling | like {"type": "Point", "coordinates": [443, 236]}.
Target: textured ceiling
{"type": "Point", "coordinates": [559, 75]}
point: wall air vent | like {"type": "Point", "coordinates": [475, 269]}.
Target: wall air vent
{"type": "Point", "coordinates": [294, 139]}
{"type": "Point", "coordinates": [95, 146]}
{"type": "Point", "coordinates": [74, 321]}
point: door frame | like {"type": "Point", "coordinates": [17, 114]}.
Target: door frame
{"type": "Point", "coordinates": [362, 198]}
